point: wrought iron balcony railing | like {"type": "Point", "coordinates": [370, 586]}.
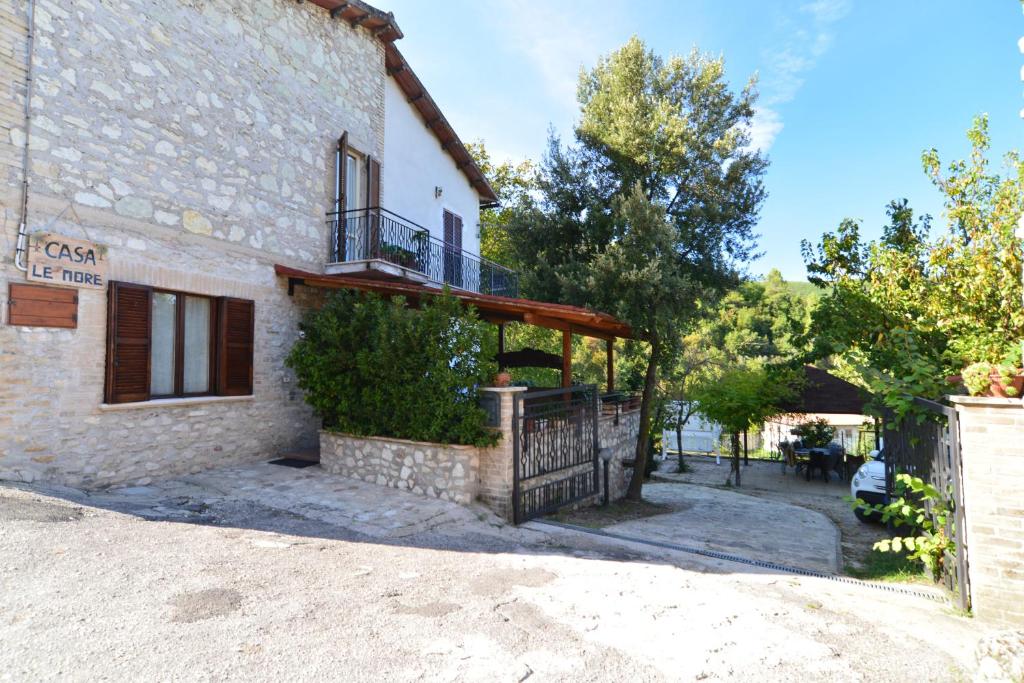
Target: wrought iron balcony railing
{"type": "Point", "coordinates": [378, 234]}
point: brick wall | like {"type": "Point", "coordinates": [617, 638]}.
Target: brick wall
{"type": "Point", "coordinates": [992, 442]}
{"type": "Point", "coordinates": [496, 462]}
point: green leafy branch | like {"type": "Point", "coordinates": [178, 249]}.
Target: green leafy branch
{"type": "Point", "coordinates": [924, 510]}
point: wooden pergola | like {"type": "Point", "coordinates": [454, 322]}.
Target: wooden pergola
{"type": "Point", "coordinates": [498, 310]}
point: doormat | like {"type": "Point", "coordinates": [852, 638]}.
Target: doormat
{"type": "Point", "coordinates": [293, 462]}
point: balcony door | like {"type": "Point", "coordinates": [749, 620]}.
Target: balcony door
{"type": "Point", "coordinates": [452, 249]}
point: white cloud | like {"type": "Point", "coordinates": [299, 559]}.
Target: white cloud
{"type": "Point", "coordinates": [809, 35]}
{"type": "Point", "coordinates": [557, 39]}
{"type": "Point", "coordinates": [765, 127]}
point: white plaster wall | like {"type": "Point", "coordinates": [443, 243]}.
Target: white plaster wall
{"type": "Point", "coordinates": [414, 164]}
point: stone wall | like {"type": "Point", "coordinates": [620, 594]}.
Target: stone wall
{"type": "Point", "coordinates": [434, 470]}
{"type": "Point", "coordinates": [993, 481]}
{"type": "Point", "coordinates": [195, 140]}
{"type": "Point", "coordinates": [218, 118]}
{"type": "Point", "coordinates": [619, 433]}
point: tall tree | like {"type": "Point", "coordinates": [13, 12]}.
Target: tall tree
{"type": "Point", "coordinates": [652, 208]}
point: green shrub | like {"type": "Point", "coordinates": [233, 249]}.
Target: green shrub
{"type": "Point", "coordinates": [816, 433]}
{"type": "Point", "coordinates": [375, 367]}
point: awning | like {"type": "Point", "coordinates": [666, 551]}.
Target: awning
{"type": "Point", "coordinates": [495, 309]}
{"type": "Point", "coordinates": [822, 393]}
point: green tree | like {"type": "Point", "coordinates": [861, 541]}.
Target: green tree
{"type": "Point", "coordinates": [904, 311]}
{"type": "Point", "coordinates": [698, 361]}
{"type": "Point", "coordinates": [759, 323]}
{"type": "Point", "coordinates": [760, 319]}
{"type": "Point", "coordinates": [652, 208]}
{"type": "Point", "coordinates": [739, 398]}
{"type": "Point", "coordinates": [512, 183]}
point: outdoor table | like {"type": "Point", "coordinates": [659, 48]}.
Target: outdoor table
{"type": "Point", "coordinates": [805, 457]}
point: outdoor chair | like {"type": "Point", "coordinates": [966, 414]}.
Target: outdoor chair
{"type": "Point", "coordinates": [788, 455]}
{"type": "Point", "coordinates": [837, 460]}
{"type": "Point", "coordinates": [853, 463]}
{"type": "Point", "coordinates": [818, 460]}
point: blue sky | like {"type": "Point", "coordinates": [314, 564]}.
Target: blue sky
{"type": "Point", "coordinates": [851, 91]}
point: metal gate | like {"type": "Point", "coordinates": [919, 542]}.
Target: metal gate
{"type": "Point", "coordinates": [555, 449]}
{"type": "Point", "coordinates": [928, 447]}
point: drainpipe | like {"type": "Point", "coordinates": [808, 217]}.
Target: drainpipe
{"type": "Point", "coordinates": [21, 249]}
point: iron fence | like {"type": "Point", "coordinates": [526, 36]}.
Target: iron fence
{"type": "Point", "coordinates": [555, 439]}
{"type": "Point", "coordinates": [926, 444]}
{"type": "Point", "coordinates": [379, 234]}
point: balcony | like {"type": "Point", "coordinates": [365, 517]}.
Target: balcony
{"type": "Point", "coordinates": [383, 243]}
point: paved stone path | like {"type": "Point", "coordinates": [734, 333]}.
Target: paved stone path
{"type": "Point", "coordinates": [740, 525]}
{"type": "Point", "coordinates": [704, 517]}
{"type": "Point", "coordinates": [310, 492]}
{"type": "Point", "coordinates": [765, 480]}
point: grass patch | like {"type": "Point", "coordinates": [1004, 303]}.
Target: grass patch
{"type": "Point", "coordinates": [894, 567]}
{"type": "Point", "coordinates": [597, 517]}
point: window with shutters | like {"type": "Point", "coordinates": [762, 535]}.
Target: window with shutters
{"type": "Point", "coordinates": [168, 344]}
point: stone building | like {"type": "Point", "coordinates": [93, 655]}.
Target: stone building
{"type": "Point", "coordinates": [196, 144]}
{"type": "Point", "coordinates": [183, 180]}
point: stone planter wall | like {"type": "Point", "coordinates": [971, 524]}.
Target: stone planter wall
{"type": "Point", "coordinates": [429, 469]}
{"type": "Point", "coordinates": [993, 480]}
{"type": "Point", "coordinates": [464, 474]}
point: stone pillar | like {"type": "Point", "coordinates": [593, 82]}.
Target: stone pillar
{"type": "Point", "coordinates": [992, 451]}
{"type": "Point", "coordinates": [496, 462]}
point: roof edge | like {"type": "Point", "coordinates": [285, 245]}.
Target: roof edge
{"type": "Point", "coordinates": [419, 98]}
{"type": "Point", "coordinates": [358, 13]}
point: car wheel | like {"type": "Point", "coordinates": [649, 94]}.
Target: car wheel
{"type": "Point", "coordinates": [866, 516]}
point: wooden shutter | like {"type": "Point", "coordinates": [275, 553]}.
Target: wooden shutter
{"type": "Point", "coordinates": [236, 324]}
{"type": "Point", "coordinates": [449, 226]}
{"type": "Point", "coordinates": [129, 313]}
{"type": "Point", "coordinates": [372, 183]}
{"type": "Point", "coordinates": [457, 231]}
{"type": "Point", "coordinates": [342, 170]}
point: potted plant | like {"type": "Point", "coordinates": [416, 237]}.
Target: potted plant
{"type": "Point", "coordinates": [1002, 380]}
{"type": "Point", "coordinates": [398, 255]}
{"type": "Point", "coordinates": [502, 379]}
{"type": "Point", "coordinates": [993, 379]}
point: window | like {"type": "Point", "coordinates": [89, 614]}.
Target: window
{"type": "Point", "coordinates": [353, 183]}
{"type": "Point", "coordinates": [164, 344]}
{"type": "Point", "coordinates": [356, 192]}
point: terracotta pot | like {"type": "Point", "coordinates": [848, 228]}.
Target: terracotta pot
{"type": "Point", "coordinates": [999, 390]}
{"type": "Point", "coordinates": [502, 379]}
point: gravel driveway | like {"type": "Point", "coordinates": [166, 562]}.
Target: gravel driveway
{"type": "Point", "coordinates": [233, 589]}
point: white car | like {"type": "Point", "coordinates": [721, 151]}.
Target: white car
{"type": "Point", "coordinates": [868, 484]}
